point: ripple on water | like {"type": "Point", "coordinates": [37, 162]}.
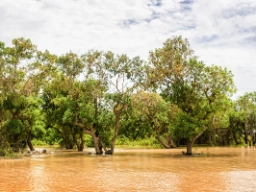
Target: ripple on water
{"type": "Point", "coordinates": [227, 169]}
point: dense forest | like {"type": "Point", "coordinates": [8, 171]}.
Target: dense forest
{"type": "Point", "coordinates": [101, 99]}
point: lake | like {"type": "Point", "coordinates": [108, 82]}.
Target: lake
{"type": "Point", "coordinates": [223, 169]}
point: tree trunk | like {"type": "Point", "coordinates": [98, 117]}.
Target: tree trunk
{"type": "Point", "coordinates": [228, 135]}
{"type": "Point", "coordinates": [81, 146]}
{"type": "Point", "coordinates": [69, 145]}
{"type": "Point", "coordinates": [190, 144]}
{"type": "Point", "coordinates": [189, 148]}
{"type": "Point", "coordinates": [101, 145]}
{"type": "Point", "coordinates": [235, 137]}
{"type": "Point", "coordinates": [30, 145]}
{"type": "Point", "coordinates": [68, 142]}
{"type": "Point", "coordinates": [210, 137]}
{"type": "Point", "coordinates": [117, 114]}
{"type": "Point", "coordinates": [246, 137]}
{"type": "Point", "coordinates": [254, 138]}
{"type": "Point", "coordinates": [169, 139]}
{"type": "Point", "coordinates": [15, 147]}
{"type": "Point", "coordinates": [162, 142]}
{"type": "Point", "coordinates": [94, 137]}
{"type": "Point", "coordinates": [171, 143]}
{"type": "Point", "coordinates": [113, 144]}
{"type": "Point", "coordinates": [214, 137]}
{"type": "Point", "coordinates": [96, 143]}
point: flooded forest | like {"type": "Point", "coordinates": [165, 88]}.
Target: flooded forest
{"type": "Point", "coordinates": [102, 100]}
{"type": "Point", "coordinates": [108, 122]}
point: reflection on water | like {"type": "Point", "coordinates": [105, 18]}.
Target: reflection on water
{"type": "Point", "coordinates": [224, 169]}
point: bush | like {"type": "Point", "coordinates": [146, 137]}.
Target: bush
{"type": "Point", "coordinates": [36, 142]}
{"type": "Point", "coordinates": [149, 142]}
{"type": "Point", "coordinates": [9, 153]}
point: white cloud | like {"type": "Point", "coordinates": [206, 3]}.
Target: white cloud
{"type": "Point", "coordinates": [220, 32]}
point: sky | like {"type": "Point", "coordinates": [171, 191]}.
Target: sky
{"type": "Point", "coordinates": [221, 32]}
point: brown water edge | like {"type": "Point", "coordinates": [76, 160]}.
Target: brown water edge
{"type": "Point", "coordinates": [225, 169]}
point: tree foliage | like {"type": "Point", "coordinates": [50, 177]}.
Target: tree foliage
{"type": "Point", "coordinates": [200, 91]}
{"type": "Point", "coordinates": [66, 99]}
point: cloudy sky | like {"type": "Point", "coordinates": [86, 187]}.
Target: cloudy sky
{"type": "Point", "coordinates": [221, 32]}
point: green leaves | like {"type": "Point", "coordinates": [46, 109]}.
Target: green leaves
{"type": "Point", "coordinates": [200, 91]}
{"type": "Point", "coordinates": [71, 64]}
{"type": "Point", "coordinates": [100, 92]}
{"type": "Point", "coordinates": [14, 126]}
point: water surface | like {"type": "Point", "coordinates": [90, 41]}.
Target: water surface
{"type": "Point", "coordinates": [223, 169]}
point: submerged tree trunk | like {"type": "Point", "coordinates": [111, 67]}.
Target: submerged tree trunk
{"type": "Point", "coordinates": [189, 148]}
{"type": "Point", "coordinates": [30, 145]}
{"type": "Point", "coordinates": [96, 143]}
{"type": "Point", "coordinates": [117, 111]}
{"type": "Point", "coordinates": [254, 137]}
{"type": "Point", "coordinates": [101, 145]}
{"type": "Point", "coordinates": [115, 135]}
{"type": "Point", "coordinates": [94, 137]}
{"type": "Point", "coordinates": [246, 137]}
{"type": "Point", "coordinates": [69, 145]}
{"type": "Point", "coordinates": [80, 147]}
{"type": "Point", "coordinates": [190, 144]}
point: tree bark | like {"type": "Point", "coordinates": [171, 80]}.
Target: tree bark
{"type": "Point", "coordinates": [30, 145]}
{"type": "Point", "coordinates": [162, 142]}
{"type": "Point", "coordinates": [96, 143]}
{"type": "Point", "coordinates": [254, 138]}
{"type": "Point", "coordinates": [171, 143]}
{"type": "Point", "coordinates": [80, 147]}
{"type": "Point", "coordinates": [94, 137]}
{"type": "Point", "coordinates": [167, 146]}
{"type": "Point", "coordinates": [246, 137]}
{"type": "Point", "coordinates": [115, 135]}
{"type": "Point", "coordinates": [117, 113]}
{"type": "Point", "coordinates": [101, 144]}
{"type": "Point", "coordinates": [190, 144]}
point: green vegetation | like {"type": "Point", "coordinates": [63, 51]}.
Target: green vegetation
{"type": "Point", "coordinates": [101, 99]}
{"type": "Point", "coordinates": [151, 142]}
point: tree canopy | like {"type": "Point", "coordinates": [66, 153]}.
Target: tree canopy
{"type": "Point", "coordinates": [90, 99]}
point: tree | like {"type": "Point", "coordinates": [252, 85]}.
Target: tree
{"type": "Point", "coordinates": [119, 75]}
{"type": "Point", "coordinates": [198, 90]}
{"type": "Point", "coordinates": [237, 121]}
{"type": "Point", "coordinates": [60, 109]}
{"type": "Point", "coordinates": [246, 105]}
{"type": "Point", "coordinates": [89, 112]}
{"type": "Point", "coordinates": [18, 87]}
{"type": "Point", "coordinates": [154, 111]}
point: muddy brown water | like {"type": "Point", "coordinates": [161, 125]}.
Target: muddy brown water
{"type": "Point", "coordinates": [223, 169]}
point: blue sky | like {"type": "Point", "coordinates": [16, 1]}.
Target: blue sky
{"type": "Point", "coordinates": [220, 32]}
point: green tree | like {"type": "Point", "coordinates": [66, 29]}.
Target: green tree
{"type": "Point", "coordinates": [59, 109]}
{"type": "Point", "coordinates": [18, 87]}
{"type": "Point", "coordinates": [246, 105]}
{"type": "Point", "coordinates": [236, 126]}
{"type": "Point", "coordinates": [159, 115]}
{"type": "Point", "coordinates": [120, 76]}
{"type": "Point", "coordinates": [198, 90]}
